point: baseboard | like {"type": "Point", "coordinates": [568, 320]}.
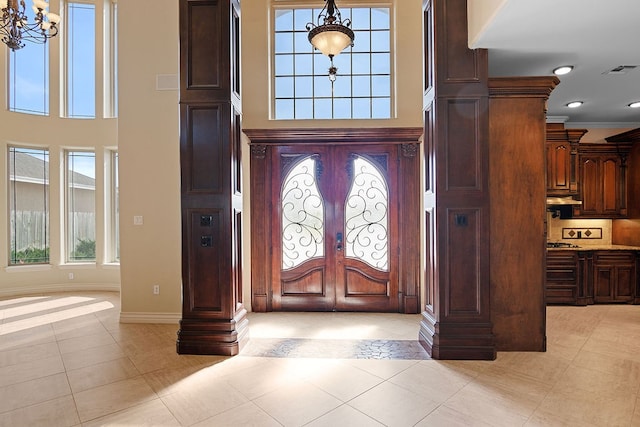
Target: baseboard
{"type": "Point", "coordinates": [149, 317]}
{"type": "Point", "coordinates": [56, 288]}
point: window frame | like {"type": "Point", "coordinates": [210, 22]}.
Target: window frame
{"type": "Point", "coordinates": [315, 9]}
{"type": "Point", "coordinates": [65, 80]}
{"type": "Point", "coordinates": [12, 85]}
{"type": "Point", "coordinates": [56, 69]}
{"type": "Point", "coordinates": [110, 59]}
{"type": "Point", "coordinates": [69, 248]}
{"type": "Point", "coordinates": [47, 205]}
{"type": "Point", "coordinates": [112, 207]}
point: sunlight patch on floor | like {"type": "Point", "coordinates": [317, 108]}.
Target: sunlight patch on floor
{"type": "Point", "coordinates": [45, 319]}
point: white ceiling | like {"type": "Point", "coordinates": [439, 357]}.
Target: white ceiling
{"type": "Point", "coordinates": [532, 37]}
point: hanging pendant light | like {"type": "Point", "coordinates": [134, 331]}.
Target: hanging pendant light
{"type": "Point", "coordinates": [331, 35]}
{"type": "Point", "coordinates": [15, 28]}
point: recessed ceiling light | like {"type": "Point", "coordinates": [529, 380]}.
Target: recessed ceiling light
{"type": "Point", "coordinates": [635, 104]}
{"type": "Point", "coordinates": [565, 69]}
{"type": "Point", "coordinates": [574, 104]}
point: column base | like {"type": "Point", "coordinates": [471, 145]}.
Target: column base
{"type": "Point", "coordinates": [213, 336]}
{"type": "Point", "coordinates": [456, 340]}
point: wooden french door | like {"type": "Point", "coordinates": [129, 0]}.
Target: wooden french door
{"type": "Point", "coordinates": [335, 228]}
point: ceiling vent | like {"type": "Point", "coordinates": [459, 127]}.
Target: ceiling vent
{"type": "Point", "coordinates": [620, 69]}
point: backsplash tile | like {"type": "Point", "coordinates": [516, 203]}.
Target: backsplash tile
{"type": "Point", "coordinates": [582, 233]}
{"type": "Point", "coordinates": [592, 231]}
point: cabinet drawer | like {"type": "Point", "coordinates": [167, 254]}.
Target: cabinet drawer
{"type": "Point", "coordinates": [561, 274]}
{"type": "Point", "coordinates": [562, 266]}
{"type": "Point", "coordinates": [559, 294]}
{"type": "Point", "coordinates": [562, 277]}
{"type": "Point", "coordinates": [614, 257]}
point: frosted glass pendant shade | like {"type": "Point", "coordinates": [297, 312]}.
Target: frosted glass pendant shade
{"type": "Point", "coordinates": [331, 39]}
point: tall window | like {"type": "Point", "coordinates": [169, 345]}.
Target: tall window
{"type": "Point", "coordinates": [81, 60]}
{"type": "Point", "coordinates": [28, 68]}
{"type": "Point", "coordinates": [28, 206]}
{"type": "Point", "coordinates": [362, 90]}
{"type": "Point", "coordinates": [29, 78]}
{"type": "Point", "coordinates": [80, 204]}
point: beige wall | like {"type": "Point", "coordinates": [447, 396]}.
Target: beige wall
{"type": "Point", "coordinates": [148, 142]}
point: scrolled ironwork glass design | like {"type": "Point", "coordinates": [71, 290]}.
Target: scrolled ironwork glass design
{"type": "Point", "coordinates": [302, 215]}
{"type": "Point", "coordinates": [367, 215]}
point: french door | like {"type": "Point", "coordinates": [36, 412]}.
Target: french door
{"type": "Point", "coordinates": [334, 228]}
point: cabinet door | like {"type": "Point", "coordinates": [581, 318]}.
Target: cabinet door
{"type": "Point", "coordinates": [614, 277]}
{"type": "Point", "coordinates": [625, 283]}
{"type": "Point", "coordinates": [610, 178]}
{"type": "Point", "coordinates": [603, 284]}
{"type": "Point", "coordinates": [559, 168]}
{"type": "Point", "coordinates": [590, 184]}
{"type": "Point", "coordinates": [601, 186]}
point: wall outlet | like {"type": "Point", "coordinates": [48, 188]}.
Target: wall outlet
{"type": "Point", "coordinates": [156, 289]}
{"type": "Point", "coordinates": [70, 276]}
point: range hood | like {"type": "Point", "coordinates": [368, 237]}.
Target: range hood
{"type": "Point", "coordinates": [560, 201]}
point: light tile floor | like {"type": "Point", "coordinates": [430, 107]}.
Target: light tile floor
{"type": "Point", "coordinates": [65, 360]}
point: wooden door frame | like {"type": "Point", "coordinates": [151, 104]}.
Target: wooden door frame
{"type": "Point", "coordinates": [407, 140]}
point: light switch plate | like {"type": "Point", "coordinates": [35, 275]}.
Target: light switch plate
{"type": "Point", "coordinates": [138, 220]}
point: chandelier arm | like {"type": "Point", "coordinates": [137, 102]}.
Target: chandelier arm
{"type": "Point", "coordinates": [15, 28]}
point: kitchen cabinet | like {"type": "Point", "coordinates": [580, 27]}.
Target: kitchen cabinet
{"type": "Point", "coordinates": [581, 277]}
{"type": "Point", "coordinates": [631, 235]}
{"type": "Point", "coordinates": [562, 277]}
{"type": "Point", "coordinates": [561, 152]}
{"type": "Point", "coordinates": [602, 180]}
{"type": "Point", "coordinates": [614, 276]}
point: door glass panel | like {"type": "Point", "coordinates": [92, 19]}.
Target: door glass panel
{"type": "Point", "coordinates": [367, 215]}
{"type": "Point", "coordinates": [302, 215]}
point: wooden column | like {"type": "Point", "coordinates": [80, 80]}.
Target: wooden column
{"type": "Point", "coordinates": [517, 132]}
{"type": "Point", "coordinates": [213, 316]}
{"type": "Point", "coordinates": [456, 320]}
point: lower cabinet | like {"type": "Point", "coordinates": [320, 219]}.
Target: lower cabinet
{"type": "Point", "coordinates": [614, 276]}
{"type": "Point", "coordinates": [562, 277]}
{"type": "Point", "coordinates": [592, 277]}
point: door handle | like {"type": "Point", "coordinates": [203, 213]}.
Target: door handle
{"type": "Point", "coordinates": [339, 241]}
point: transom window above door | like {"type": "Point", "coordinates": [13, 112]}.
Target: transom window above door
{"type": "Point", "coordinates": [301, 85]}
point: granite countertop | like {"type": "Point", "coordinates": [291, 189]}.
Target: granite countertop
{"type": "Point", "coordinates": [599, 247]}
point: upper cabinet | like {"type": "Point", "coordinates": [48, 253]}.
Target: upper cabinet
{"type": "Point", "coordinates": [602, 180]}
{"type": "Point", "coordinates": [562, 150]}
{"type": "Point", "coordinates": [632, 175]}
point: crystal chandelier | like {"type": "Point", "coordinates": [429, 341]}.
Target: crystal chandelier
{"type": "Point", "coordinates": [331, 35]}
{"type": "Point", "coordinates": [15, 28]}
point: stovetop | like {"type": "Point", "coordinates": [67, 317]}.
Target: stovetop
{"type": "Point", "coordinates": [561, 245]}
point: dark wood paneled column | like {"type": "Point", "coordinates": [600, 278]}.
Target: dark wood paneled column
{"type": "Point", "coordinates": [213, 315]}
{"type": "Point", "coordinates": [456, 320]}
{"type": "Point", "coordinates": [517, 132]}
